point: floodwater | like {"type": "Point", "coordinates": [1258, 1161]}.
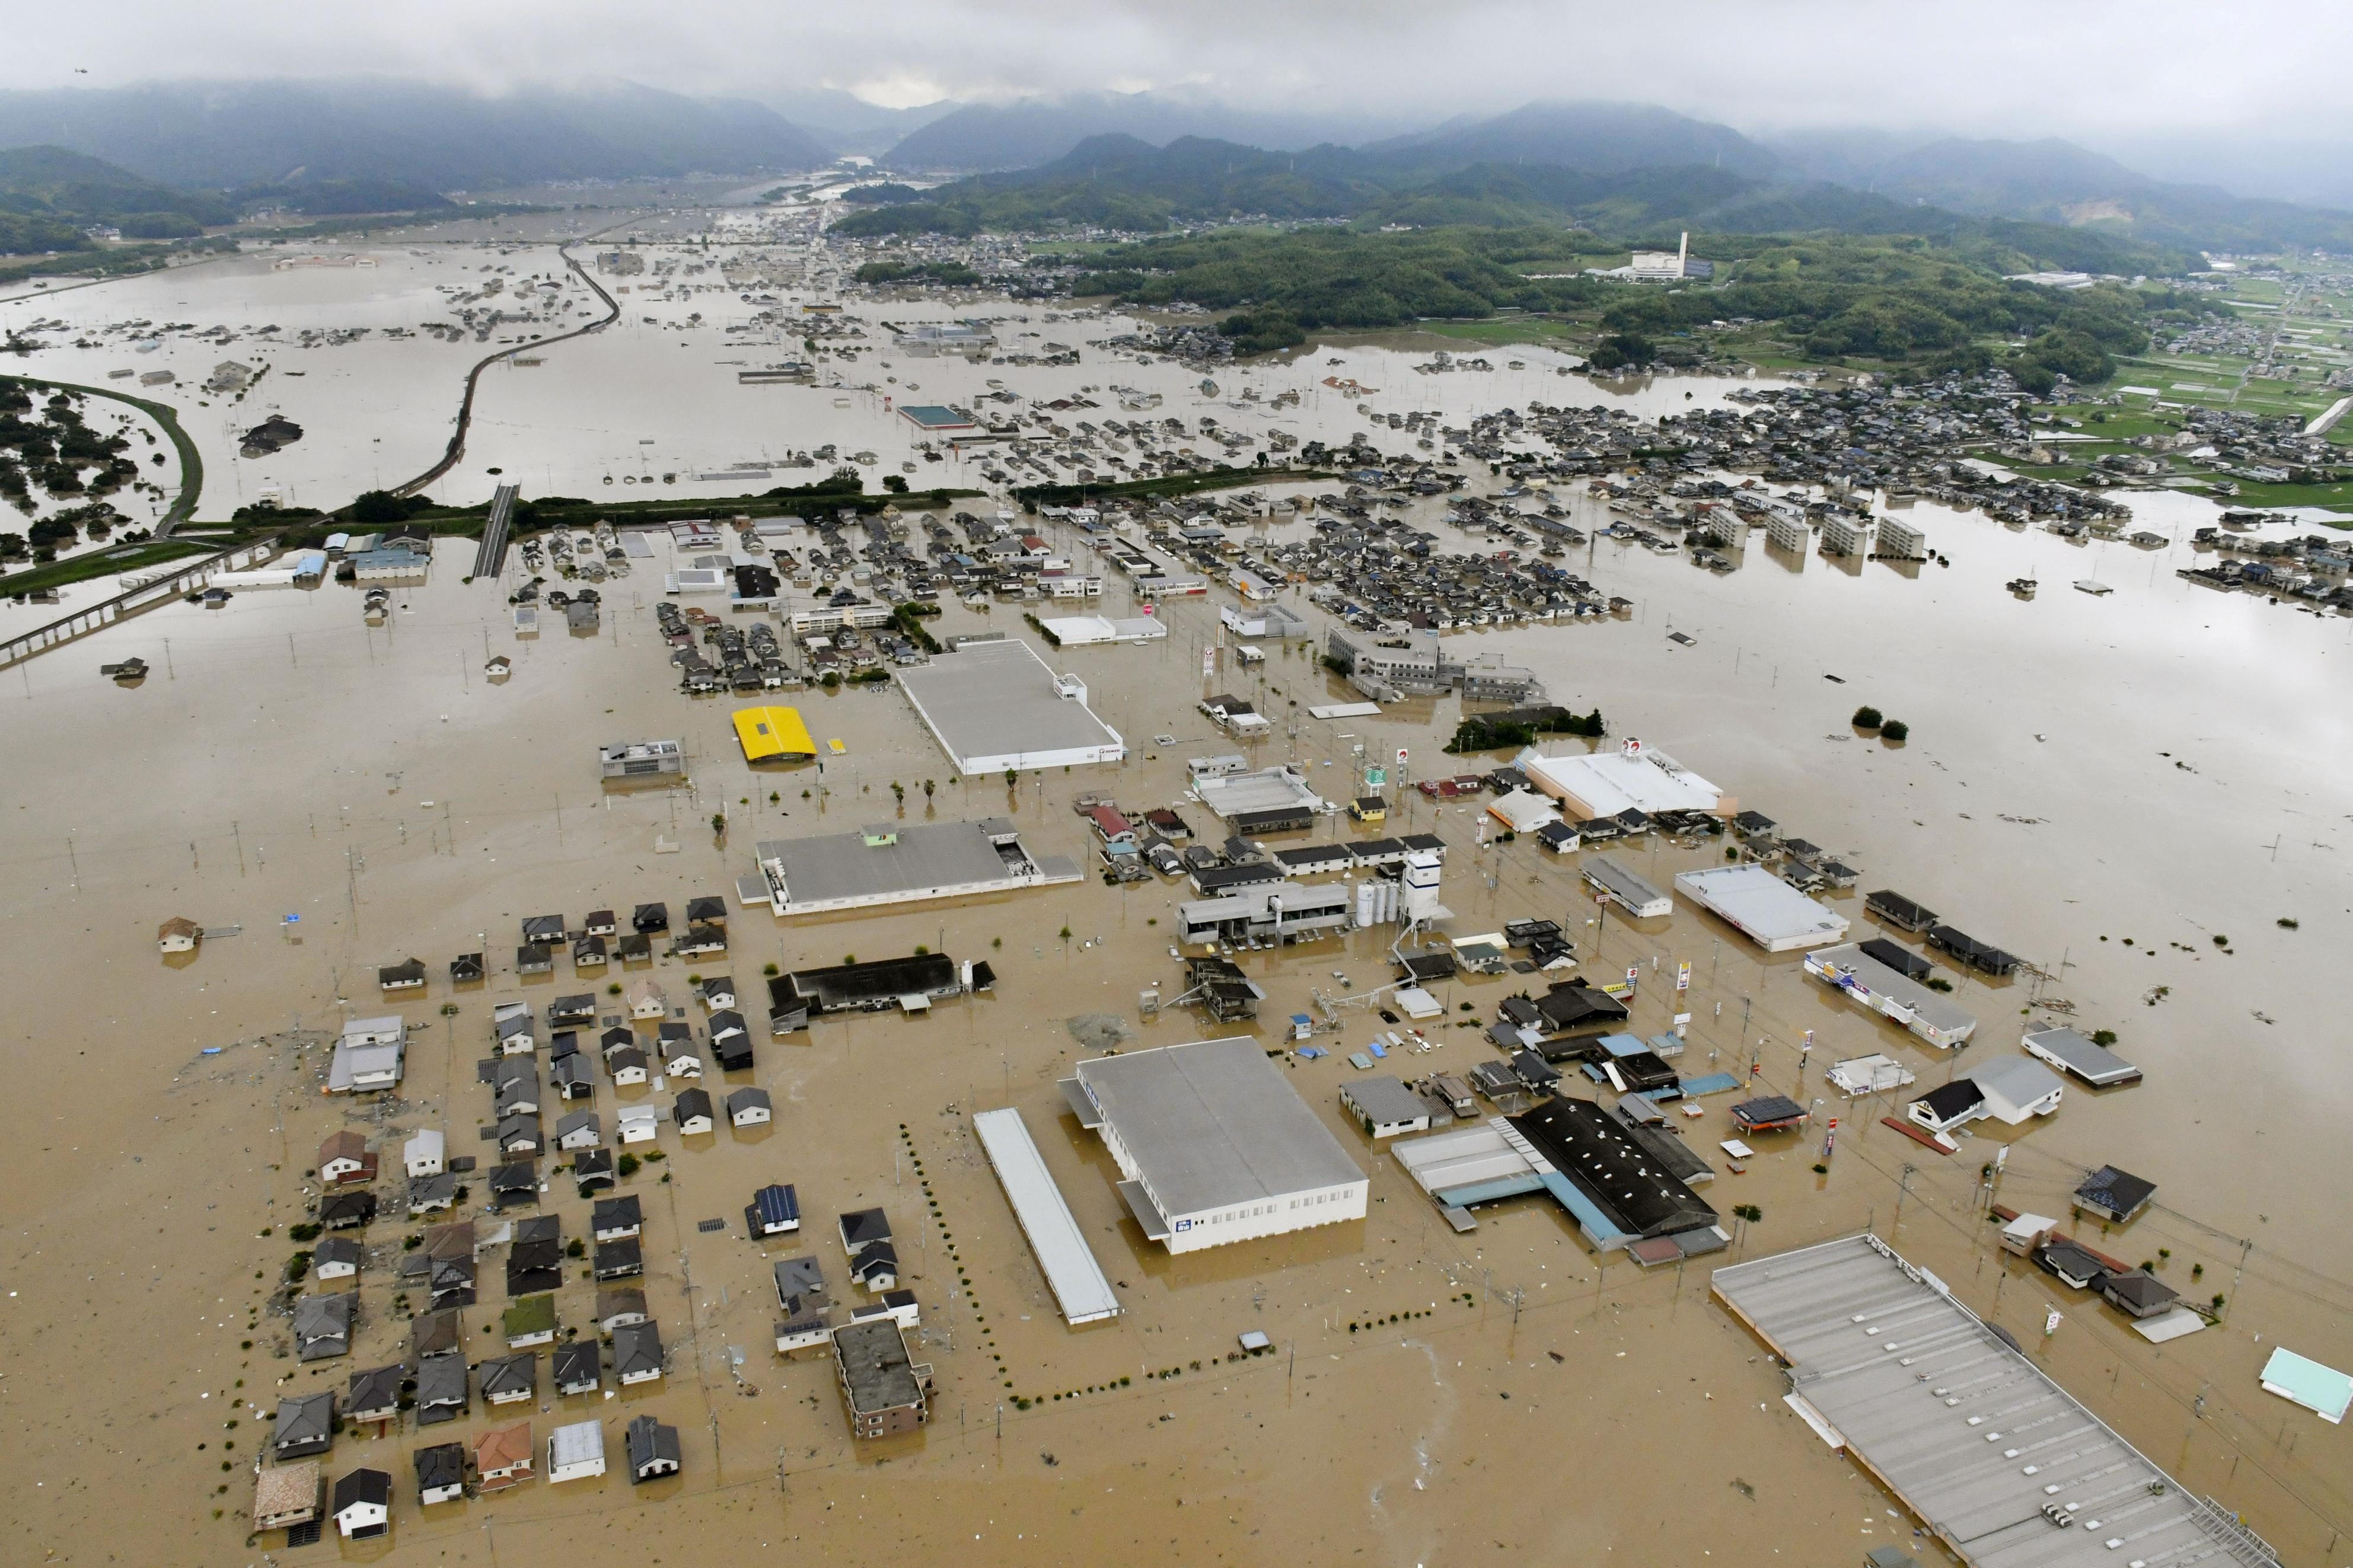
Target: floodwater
{"type": "Point", "coordinates": [286, 760]}
{"type": "Point", "coordinates": [648, 397]}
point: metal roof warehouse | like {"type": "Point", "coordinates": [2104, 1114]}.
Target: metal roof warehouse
{"type": "Point", "coordinates": [1761, 907]}
{"type": "Point", "coordinates": [901, 863]}
{"type": "Point", "coordinates": [1999, 1462]}
{"type": "Point", "coordinates": [996, 705]}
{"type": "Point", "coordinates": [1079, 1288]}
{"type": "Point", "coordinates": [1216, 1144]}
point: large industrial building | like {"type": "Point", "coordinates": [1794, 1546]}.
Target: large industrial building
{"type": "Point", "coordinates": [1215, 1143]}
{"type": "Point", "coordinates": [1281, 789]}
{"type": "Point", "coordinates": [995, 706]}
{"type": "Point", "coordinates": [1632, 778]}
{"type": "Point", "coordinates": [1285, 912]}
{"type": "Point", "coordinates": [1627, 1186]}
{"type": "Point", "coordinates": [1871, 984]}
{"type": "Point", "coordinates": [2002, 1465]}
{"type": "Point", "coordinates": [1762, 908]}
{"type": "Point", "coordinates": [899, 862]}
{"type": "Point", "coordinates": [1399, 661]}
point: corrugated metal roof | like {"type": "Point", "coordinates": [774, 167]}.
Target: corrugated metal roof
{"type": "Point", "coordinates": [2003, 1464]}
{"type": "Point", "coordinates": [1081, 1290]}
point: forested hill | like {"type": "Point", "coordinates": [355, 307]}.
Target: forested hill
{"type": "Point", "coordinates": [1531, 167]}
{"type": "Point", "coordinates": [48, 196]}
{"type": "Point", "coordinates": [1122, 183]}
{"type": "Point", "coordinates": [1897, 300]}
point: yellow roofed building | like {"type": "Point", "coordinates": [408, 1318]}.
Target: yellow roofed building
{"type": "Point", "coordinates": [773, 735]}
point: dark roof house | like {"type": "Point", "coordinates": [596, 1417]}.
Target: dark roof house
{"type": "Point", "coordinates": [2115, 1195]}
{"type": "Point", "coordinates": [653, 1449]}
{"type": "Point", "coordinates": [305, 1426]}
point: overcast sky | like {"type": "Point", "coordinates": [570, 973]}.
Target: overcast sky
{"type": "Point", "coordinates": [2102, 71]}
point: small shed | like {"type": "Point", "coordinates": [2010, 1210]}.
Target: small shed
{"type": "Point", "coordinates": [179, 934]}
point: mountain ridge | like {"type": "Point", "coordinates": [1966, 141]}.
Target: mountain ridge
{"type": "Point", "coordinates": [222, 135]}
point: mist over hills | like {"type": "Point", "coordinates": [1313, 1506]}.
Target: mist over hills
{"type": "Point", "coordinates": [1863, 181]}
{"type": "Point", "coordinates": [846, 124]}
{"type": "Point", "coordinates": [1599, 138]}
{"type": "Point", "coordinates": [974, 138]}
{"type": "Point", "coordinates": [2052, 181]}
{"type": "Point", "coordinates": [223, 134]}
{"type": "Point", "coordinates": [1127, 161]}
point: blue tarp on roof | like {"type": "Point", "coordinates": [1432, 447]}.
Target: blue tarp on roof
{"type": "Point", "coordinates": [1713, 1083]}
{"type": "Point", "coordinates": [1489, 1192]}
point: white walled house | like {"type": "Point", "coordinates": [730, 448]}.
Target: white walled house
{"type": "Point", "coordinates": [575, 1452]}
{"type": "Point", "coordinates": [426, 1152]}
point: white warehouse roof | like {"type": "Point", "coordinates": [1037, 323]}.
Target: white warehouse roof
{"type": "Point", "coordinates": [1608, 783]}
{"type": "Point", "coordinates": [1213, 1125]}
{"type": "Point", "coordinates": [1763, 908]}
{"type": "Point", "coordinates": [995, 706]}
{"type": "Point", "coordinates": [1080, 1287]}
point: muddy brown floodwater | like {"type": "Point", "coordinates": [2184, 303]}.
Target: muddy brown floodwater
{"type": "Point", "coordinates": [2153, 765]}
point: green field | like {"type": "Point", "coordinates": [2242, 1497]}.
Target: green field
{"type": "Point", "coordinates": [1503, 330]}
{"type": "Point", "coordinates": [102, 563]}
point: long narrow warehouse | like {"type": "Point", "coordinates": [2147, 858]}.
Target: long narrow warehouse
{"type": "Point", "coordinates": [1081, 1290]}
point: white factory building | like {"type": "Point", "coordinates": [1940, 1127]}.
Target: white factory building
{"type": "Point", "coordinates": [1632, 778]}
{"type": "Point", "coordinates": [1216, 1144]}
{"type": "Point", "coordinates": [995, 706]}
